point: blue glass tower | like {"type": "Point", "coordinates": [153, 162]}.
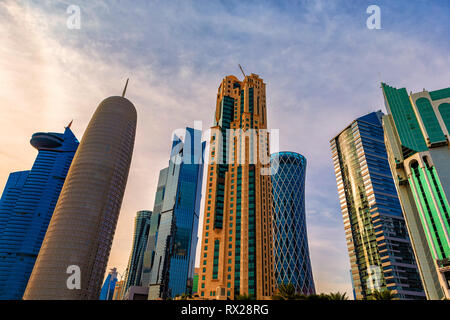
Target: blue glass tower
{"type": "Point", "coordinates": [173, 264]}
{"type": "Point", "coordinates": [291, 252]}
{"type": "Point", "coordinates": [379, 247]}
{"type": "Point", "coordinates": [26, 208]}
{"type": "Point", "coordinates": [107, 292]}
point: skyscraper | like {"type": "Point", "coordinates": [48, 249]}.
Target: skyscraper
{"type": "Point", "coordinates": [26, 208]}
{"type": "Point", "coordinates": [119, 290]}
{"type": "Point", "coordinates": [141, 230]}
{"type": "Point", "coordinates": [291, 251]}
{"type": "Point", "coordinates": [81, 231]}
{"type": "Point", "coordinates": [417, 138]}
{"type": "Point", "coordinates": [381, 256]}
{"type": "Point", "coordinates": [179, 204]}
{"type": "Point", "coordinates": [237, 249]}
{"type": "Point", "coordinates": [149, 254]}
{"type": "Point", "coordinates": [107, 292]}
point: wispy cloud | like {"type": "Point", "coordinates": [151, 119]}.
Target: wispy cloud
{"type": "Point", "coordinates": [321, 64]}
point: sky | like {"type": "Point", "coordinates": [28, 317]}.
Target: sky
{"type": "Point", "coordinates": [321, 63]}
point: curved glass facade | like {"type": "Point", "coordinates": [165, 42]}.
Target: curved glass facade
{"type": "Point", "coordinates": [430, 121]}
{"type": "Point", "coordinates": [422, 178]}
{"type": "Point", "coordinates": [291, 252]}
{"type": "Point", "coordinates": [26, 207]}
{"type": "Point", "coordinates": [444, 110]}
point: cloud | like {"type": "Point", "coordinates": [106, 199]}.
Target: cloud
{"type": "Point", "coordinates": [321, 64]}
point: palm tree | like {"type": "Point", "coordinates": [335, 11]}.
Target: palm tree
{"type": "Point", "coordinates": [244, 297]}
{"type": "Point", "coordinates": [337, 296]}
{"type": "Point", "coordinates": [322, 296]}
{"type": "Point", "coordinates": [286, 291]}
{"type": "Point", "coordinates": [382, 295]}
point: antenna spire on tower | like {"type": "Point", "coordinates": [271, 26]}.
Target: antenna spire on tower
{"type": "Point", "coordinates": [125, 89]}
{"type": "Point", "coordinates": [242, 70]}
{"type": "Point", "coordinates": [70, 123]}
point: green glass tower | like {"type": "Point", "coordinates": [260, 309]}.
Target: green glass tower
{"type": "Point", "coordinates": [417, 139]}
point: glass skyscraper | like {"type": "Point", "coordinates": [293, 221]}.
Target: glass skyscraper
{"type": "Point", "coordinates": [172, 269]}
{"type": "Point", "coordinates": [290, 241]}
{"type": "Point", "coordinates": [417, 138]}
{"type": "Point", "coordinates": [379, 247]}
{"type": "Point", "coordinates": [149, 254]}
{"type": "Point", "coordinates": [107, 292]}
{"type": "Point", "coordinates": [119, 290]}
{"type": "Point", "coordinates": [27, 205]}
{"type": "Point", "coordinates": [135, 263]}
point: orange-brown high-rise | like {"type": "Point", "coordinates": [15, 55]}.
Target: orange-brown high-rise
{"type": "Point", "coordinates": [236, 249]}
{"type": "Point", "coordinates": [82, 227]}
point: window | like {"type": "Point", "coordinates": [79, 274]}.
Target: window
{"type": "Point", "coordinates": [216, 259]}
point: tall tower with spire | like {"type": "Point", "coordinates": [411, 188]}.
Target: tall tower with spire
{"type": "Point", "coordinates": [78, 241]}
{"type": "Point", "coordinates": [27, 205]}
{"type": "Point", "coordinates": [236, 256]}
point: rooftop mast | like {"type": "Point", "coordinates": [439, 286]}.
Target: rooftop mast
{"type": "Point", "coordinates": [125, 89]}
{"type": "Point", "coordinates": [242, 70]}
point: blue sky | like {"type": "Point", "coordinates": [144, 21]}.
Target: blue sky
{"type": "Point", "coordinates": [321, 64]}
